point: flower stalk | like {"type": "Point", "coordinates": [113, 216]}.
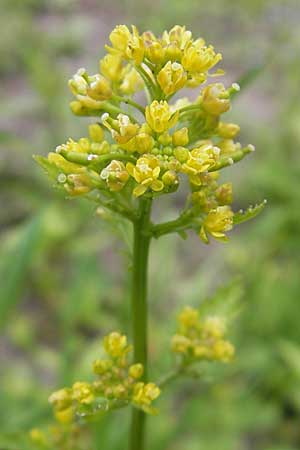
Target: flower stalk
{"type": "Point", "coordinates": [139, 311]}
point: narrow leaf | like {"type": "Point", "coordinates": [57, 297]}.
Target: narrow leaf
{"type": "Point", "coordinates": [250, 213]}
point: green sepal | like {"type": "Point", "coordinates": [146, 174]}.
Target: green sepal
{"type": "Point", "coordinates": [250, 213]}
{"type": "Point", "coordinates": [50, 168]}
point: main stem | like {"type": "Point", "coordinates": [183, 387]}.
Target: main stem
{"type": "Point", "coordinates": [139, 311]}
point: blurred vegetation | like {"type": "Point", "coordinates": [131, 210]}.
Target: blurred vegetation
{"type": "Point", "coordinates": [64, 275]}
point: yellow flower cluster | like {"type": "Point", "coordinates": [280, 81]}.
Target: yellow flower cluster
{"type": "Point", "coordinates": [201, 338]}
{"type": "Point", "coordinates": [118, 384]}
{"type": "Point", "coordinates": [137, 151]}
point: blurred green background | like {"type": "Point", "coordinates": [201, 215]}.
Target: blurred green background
{"type": "Point", "coordinates": [64, 274]}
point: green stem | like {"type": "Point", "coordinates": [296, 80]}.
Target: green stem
{"type": "Point", "coordinates": [190, 108]}
{"type": "Point", "coordinates": [173, 226]}
{"type": "Point", "coordinates": [85, 159]}
{"type": "Point", "coordinates": [114, 111]}
{"type": "Point", "coordinates": [150, 85]}
{"type": "Point", "coordinates": [139, 311]}
{"type": "Point", "coordinates": [129, 101]}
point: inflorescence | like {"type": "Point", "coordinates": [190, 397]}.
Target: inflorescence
{"type": "Point", "coordinates": [117, 385]}
{"type": "Point", "coordinates": [136, 151]}
{"type": "Point", "coordinates": [201, 338]}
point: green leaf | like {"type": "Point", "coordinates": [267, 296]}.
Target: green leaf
{"type": "Point", "coordinates": [249, 77]}
{"type": "Point", "coordinates": [290, 352]}
{"type": "Point", "coordinates": [15, 268]}
{"type": "Point", "coordinates": [250, 213]}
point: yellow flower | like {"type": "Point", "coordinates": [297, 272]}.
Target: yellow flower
{"type": "Point", "coordinates": [89, 103]}
{"type": "Point", "coordinates": [188, 318]}
{"type": "Point", "coordinates": [143, 143]}
{"type": "Point", "coordinates": [115, 344]}
{"type": "Point", "coordinates": [159, 116]}
{"type": "Point", "coordinates": [83, 393]}
{"type": "Point", "coordinates": [111, 67]}
{"type": "Point", "coordinates": [127, 44]}
{"type": "Point", "coordinates": [223, 351]}
{"type": "Point", "coordinates": [99, 88]}
{"type": "Point", "coordinates": [228, 146]}
{"type": "Point", "coordinates": [180, 343]}
{"type": "Point", "coordinates": [171, 78]}
{"type": "Point", "coordinates": [213, 327]}
{"type": "Point", "coordinates": [144, 394]}
{"type": "Point", "coordinates": [136, 370]}
{"type": "Point", "coordinates": [181, 154]}
{"type": "Point", "coordinates": [215, 99]}
{"type": "Point", "coordinates": [101, 366]}
{"type": "Point", "coordinates": [77, 108]}
{"type": "Point", "coordinates": [170, 178]}
{"type": "Point", "coordinates": [201, 351]}
{"type": "Point", "coordinates": [65, 416]}
{"type": "Point", "coordinates": [122, 130]}
{"type": "Point", "coordinates": [198, 58]}
{"type": "Point", "coordinates": [228, 130]}
{"type": "Point", "coordinates": [115, 175]}
{"type": "Point", "coordinates": [119, 37]}
{"type": "Point", "coordinates": [146, 173]}
{"type": "Point", "coordinates": [200, 160]}
{"type": "Point", "coordinates": [177, 35]}
{"type": "Point", "coordinates": [135, 48]}
{"type": "Point", "coordinates": [96, 132]}
{"type": "Point", "coordinates": [61, 399]}
{"type": "Point", "coordinates": [79, 83]}
{"type": "Point", "coordinates": [154, 52]}
{"type": "Point", "coordinates": [79, 183]}
{"type": "Point", "coordinates": [217, 222]}
{"type": "Point", "coordinates": [131, 81]}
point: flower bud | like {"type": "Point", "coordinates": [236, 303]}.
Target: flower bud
{"type": "Point", "coordinates": [215, 99]}
{"type": "Point", "coordinates": [99, 89]}
{"type": "Point", "coordinates": [96, 132]}
{"type": "Point", "coordinates": [181, 154]}
{"type": "Point", "coordinates": [155, 52]}
{"type": "Point", "coordinates": [181, 137]}
{"type": "Point", "coordinates": [180, 344]}
{"type": "Point", "coordinates": [165, 138]}
{"type": "Point", "coordinates": [79, 84]}
{"type": "Point", "coordinates": [119, 37]}
{"type": "Point", "coordinates": [228, 130]}
{"type": "Point", "coordinates": [223, 351]}
{"type": "Point", "coordinates": [159, 116]}
{"type": "Point", "coordinates": [132, 82]}
{"type": "Point", "coordinates": [136, 370]}
{"type": "Point", "coordinates": [82, 392]}
{"type": "Point", "coordinates": [170, 178]}
{"type": "Point", "coordinates": [115, 344]}
{"type": "Point", "coordinates": [144, 143]}
{"type": "Point", "coordinates": [224, 194]}
{"type": "Point", "coordinates": [111, 67]}
{"type": "Point", "coordinates": [171, 78]}
{"type": "Point", "coordinates": [115, 175]}
{"type": "Point", "coordinates": [101, 366]}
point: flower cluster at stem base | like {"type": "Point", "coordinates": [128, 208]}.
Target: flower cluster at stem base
{"type": "Point", "coordinates": [201, 339]}
{"type": "Point", "coordinates": [118, 383]}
